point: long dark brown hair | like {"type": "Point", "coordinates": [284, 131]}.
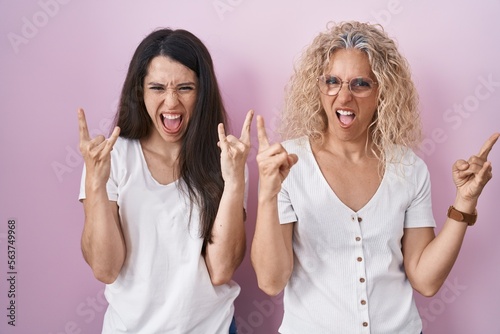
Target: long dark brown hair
{"type": "Point", "coordinates": [199, 159]}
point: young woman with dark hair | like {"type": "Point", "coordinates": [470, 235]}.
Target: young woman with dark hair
{"type": "Point", "coordinates": [164, 195]}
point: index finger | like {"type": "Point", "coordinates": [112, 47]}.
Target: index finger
{"type": "Point", "coordinates": [261, 133]}
{"type": "Point", "coordinates": [488, 145]}
{"type": "Point", "coordinates": [222, 135]}
{"type": "Point", "coordinates": [82, 125]}
{"type": "Point", "coordinates": [245, 130]}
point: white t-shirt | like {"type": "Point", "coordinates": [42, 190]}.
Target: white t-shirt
{"type": "Point", "coordinates": [164, 285]}
{"type": "Point", "coordinates": [348, 274]}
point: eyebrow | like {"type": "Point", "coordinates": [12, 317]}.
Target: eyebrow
{"type": "Point", "coordinates": [354, 77]}
{"type": "Point", "coordinates": [154, 83]}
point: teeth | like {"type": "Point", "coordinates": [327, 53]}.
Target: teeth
{"type": "Point", "coordinates": [170, 116]}
{"type": "Point", "coordinates": [344, 112]}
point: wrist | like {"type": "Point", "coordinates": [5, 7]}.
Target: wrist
{"type": "Point", "coordinates": [266, 198]}
{"type": "Point", "coordinates": [460, 216]}
{"type": "Point", "coordinates": [234, 185]}
{"type": "Point", "coordinates": [94, 185]}
{"type": "Point", "coordinates": [465, 205]}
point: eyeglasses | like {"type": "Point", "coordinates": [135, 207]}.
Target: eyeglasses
{"type": "Point", "coordinates": [359, 87]}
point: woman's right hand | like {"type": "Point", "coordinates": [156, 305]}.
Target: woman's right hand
{"type": "Point", "coordinates": [96, 152]}
{"type": "Point", "coordinates": [273, 161]}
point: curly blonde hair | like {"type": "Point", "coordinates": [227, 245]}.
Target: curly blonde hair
{"type": "Point", "coordinates": [396, 121]}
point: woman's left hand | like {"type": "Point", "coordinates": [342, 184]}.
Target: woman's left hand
{"type": "Point", "coordinates": [234, 151]}
{"type": "Point", "coordinates": [471, 176]}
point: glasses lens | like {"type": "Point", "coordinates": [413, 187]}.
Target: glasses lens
{"type": "Point", "coordinates": [361, 87]}
{"type": "Point", "coordinates": [329, 85]}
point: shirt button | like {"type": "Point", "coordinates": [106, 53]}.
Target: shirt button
{"type": "Point", "coordinates": [363, 302]}
{"type": "Point", "coordinates": [362, 280]}
{"type": "Point", "coordinates": [358, 238]}
{"type": "Point", "coordinates": [365, 324]}
{"type": "Point", "coordinates": [360, 259]}
{"type": "Point", "coordinates": [360, 219]}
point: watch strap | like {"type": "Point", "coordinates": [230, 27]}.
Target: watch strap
{"type": "Point", "coordinates": [460, 216]}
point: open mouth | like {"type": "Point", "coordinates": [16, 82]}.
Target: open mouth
{"type": "Point", "coordinates": [345, 117]}
{"type": "Point", "coordinates": [171, 122]}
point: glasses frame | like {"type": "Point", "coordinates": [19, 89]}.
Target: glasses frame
{"type": "Point", "coordinates": [321, 81]}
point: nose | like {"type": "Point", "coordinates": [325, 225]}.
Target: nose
{"type": "Point", "coordinates": [171, 98]}
{"type": "Point", "coordinates": [344, 92]}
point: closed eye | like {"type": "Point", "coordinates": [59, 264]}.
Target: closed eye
{"type": "Point", "coordinates": [332, 81]}
{"type": "Point", "coordinates": [158, 88]}
{"type": "Point", "coordinates": [360, 82]}
{"type": "Point", "coordinates": [185, 88]}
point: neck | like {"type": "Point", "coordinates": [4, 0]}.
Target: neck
{"type": "Point", "coordinates": [352, 150]}
{"type": "Point", "coordinates": [158, 146]}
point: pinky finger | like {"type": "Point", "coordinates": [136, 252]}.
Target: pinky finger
{"type": "Point", "coordinates": [222, 137]}
{"type": "Point", "coordinates": [112, 140]}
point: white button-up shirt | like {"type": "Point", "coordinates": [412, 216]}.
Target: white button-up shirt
{"type": "Point", "coordinates": [348, 274]}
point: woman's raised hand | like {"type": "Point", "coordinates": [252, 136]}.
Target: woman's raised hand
{"type": "Point", "coordinates": [471, 176]}
{"type": "Point", "coordinates": [96, 152]}
{"type": "Point", "coordinates": [274, 162]}
{"type": "Point", "coordinates": [234, 151]}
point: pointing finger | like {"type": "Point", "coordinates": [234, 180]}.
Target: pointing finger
{"type": "Point", "coordinates": [82, 125]}
{"type": "Point", "coordinates": [245, 130]}
{"type": "Point", "coordinates": [261, 134]}
{"type": "Point", "coordinates": [488, 145]}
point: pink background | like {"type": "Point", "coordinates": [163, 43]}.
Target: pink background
{"type": "Point", "coordinates": [58, 55]}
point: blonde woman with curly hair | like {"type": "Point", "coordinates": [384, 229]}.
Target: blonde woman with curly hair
{"type": "Point", "coordinates": [344, 222]}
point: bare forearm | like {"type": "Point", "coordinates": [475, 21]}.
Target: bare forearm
{"type": "Point", "coordinates": [430, 268]}
{"type": "Point", "coordinates": [441, 253]}
{"type": "Point", "coordinates": [439, 257]}
{"type": "Point", "coordinates": [272, 252]}
{"type": "Point", "coordinates": [271, 258]}
{"type": "Point", "coordinates": [225, 253]}
{"type": "Point", "coordinates": [102, 243]}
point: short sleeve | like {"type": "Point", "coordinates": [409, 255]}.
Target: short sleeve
{"type": "Point", "coordinates": [419, 212]}
{"type": "Point", "coordinates": [285, 208]}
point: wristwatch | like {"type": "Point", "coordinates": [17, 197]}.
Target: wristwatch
{"type": "Point", "coordinates": [460, 216]}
